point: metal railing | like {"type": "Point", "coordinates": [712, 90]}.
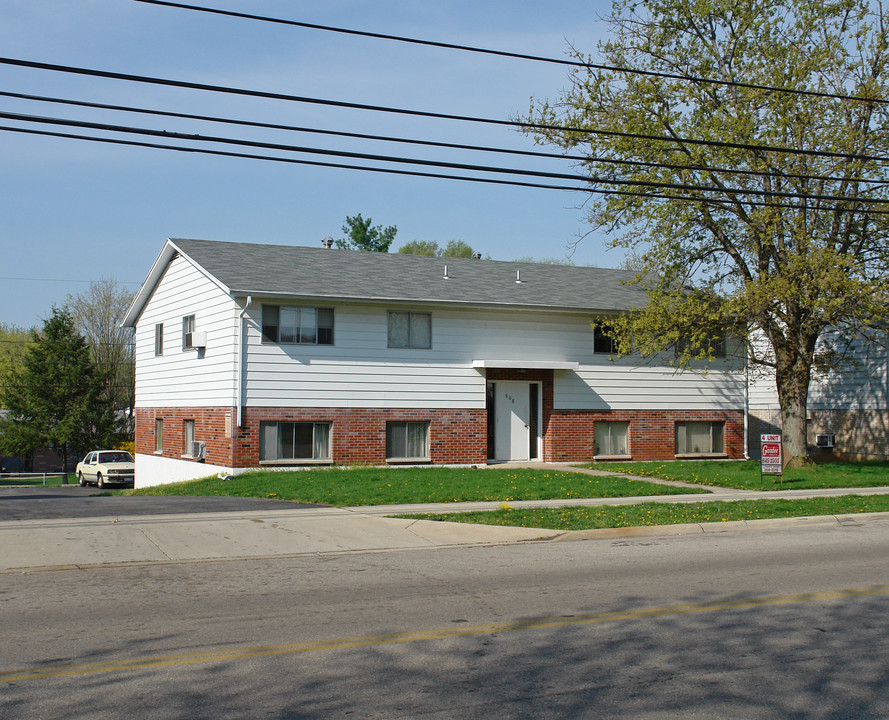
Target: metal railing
{"type": "Point", "coordinates": [32, 476]}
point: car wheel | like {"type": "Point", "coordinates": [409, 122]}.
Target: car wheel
{"type": "Point", "coordinates": [100, 481]}
{"type": "Point", "coordinates": [81, 480]}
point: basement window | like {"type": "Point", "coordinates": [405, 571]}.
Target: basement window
{"type": "Point", "coordinates": [700, 438]}
{"type": "Point", "coordinates": [289, 442]}
{"type": "Point", "coordinates": [611, 439]}
{"type": "Point", "coordinates": [407, 441]}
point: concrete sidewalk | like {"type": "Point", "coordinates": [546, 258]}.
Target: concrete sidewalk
{"type": "Point", "coordinates": [80, 542]}
{"type": "Point", "coordinates": [290, 531]}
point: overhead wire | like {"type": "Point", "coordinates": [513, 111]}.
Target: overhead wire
{"type": "Point", "coordinates": [415, 173]}
{"type": "Point", "coordinates": [514, 55]}
{"type": "Point", "coordinates": [413, 141]}
{"type": "Point", "coordinates": [430, 163]}
{"type": "Point", "coordinates": [167, 82]}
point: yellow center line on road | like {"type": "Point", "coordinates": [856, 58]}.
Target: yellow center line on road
{"type": "Point", "coordinates": [159, 661]}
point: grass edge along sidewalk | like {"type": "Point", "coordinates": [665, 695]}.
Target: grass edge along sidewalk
{"type": "Point", "coordinates": [745, 474]}
{"type": "Point", "coordinates": [663, 513]}
{"type": "Point", "coordinates": [353, 487]}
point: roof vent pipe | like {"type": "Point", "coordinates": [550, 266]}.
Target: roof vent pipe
{"type": "Point", "coordinates": [476, 256]}
{"type": "Point", "coordinates": [518, 277]}
{"type": "Point", "coordinates": [327, 242]}
{"type": "Point", "coordinates": [446, 276]}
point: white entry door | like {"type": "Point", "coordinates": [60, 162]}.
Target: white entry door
{"type": "Point", "coordinates": [512, 420]}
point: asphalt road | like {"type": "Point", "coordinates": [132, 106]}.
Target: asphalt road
{"type": "Point", "coordinates": [73, 501]}
{"type": "Point", "coordinates": [778, 623]}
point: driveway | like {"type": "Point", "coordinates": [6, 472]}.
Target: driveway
{"type": "Point", "coordinates": [73, 501]}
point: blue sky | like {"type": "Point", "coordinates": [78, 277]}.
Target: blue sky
{"type": "Point", "coordinates": [73, 211]}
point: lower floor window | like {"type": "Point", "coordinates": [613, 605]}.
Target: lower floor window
{"type": "Point", "coordinates": [407, 440]}
{"type": "Point", "coordinates": [700, 438]}
{"type": "Point", "coordinates": [294, 441]}
{"type": "Point", "coordinates": [611, 438]}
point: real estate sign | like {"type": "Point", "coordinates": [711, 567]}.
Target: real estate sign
{"type": "Point", "coordinates": [771, 454]}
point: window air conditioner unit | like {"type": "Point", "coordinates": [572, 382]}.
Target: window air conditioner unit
{"type": "Point", "coordinates": [199, 449]}
{"type": "Point", "coordinates": [826, 440]}
{"type": "Point", "coordinates": [198, 339]}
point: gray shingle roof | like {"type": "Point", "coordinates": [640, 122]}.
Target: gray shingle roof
{"type": "Point", "coordinates": [294, 271]}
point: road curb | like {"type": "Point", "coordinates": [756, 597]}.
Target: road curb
{"type": "Point", "coordinates": [720, 527]}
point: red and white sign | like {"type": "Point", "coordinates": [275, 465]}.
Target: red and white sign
{"type": "Point", "coordinates": [771, 454]}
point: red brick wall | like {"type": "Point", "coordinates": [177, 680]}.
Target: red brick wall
{"type": "Point", "coordinates": [652, 432]}
{"type": "Point", "coordinates": [358, 435]}
{"type": "Point", "coordinates": [456, 436]}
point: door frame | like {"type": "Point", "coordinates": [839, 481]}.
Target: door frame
{"type": "Point", "coordinates": [535, 418]}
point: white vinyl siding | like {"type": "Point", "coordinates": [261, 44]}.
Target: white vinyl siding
{"type": "Point", "coordinates": [860, 383]}
{"type": "Point", "coordinates": [361, 370]}
{"type": "Point", "coordinates": [192, 379]}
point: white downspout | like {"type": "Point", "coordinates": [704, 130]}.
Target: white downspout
{"type": "Point", "coordinates": [240, 390]}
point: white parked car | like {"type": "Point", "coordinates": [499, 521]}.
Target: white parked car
{"type": "Point", "coordinates": [106, 466]}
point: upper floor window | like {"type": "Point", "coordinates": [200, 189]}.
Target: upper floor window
{"type": "Point", "coordinates": [159, 339]}
{"type": "Point", "coordinates": [306, 325]}
{"type": "Point", "coordinates": [187, 332]}
{"type": "Point", "coordinates": [603, 342]}
{"type": "Point", "coordinates": [410, 330]}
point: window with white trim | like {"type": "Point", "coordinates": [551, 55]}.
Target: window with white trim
{"type": "Point", "coordinates": [187, 332]}
{"type": "Point", "coordinates": [611, 438]}
{"type": "Point", "coordinates": [287, 324]}
{"type": "Point", "coordinates": [603, 342]}
{"type": "Point", "coordinates": [407, 440]}
{"type": "Point", "coordinates": [188, 437]}
{"type": "Point", "coordinates": [294, 441]}
{"type": "Point", "coordinates": [410, 330]}
{"type": "Point", "coordinates": [700, 438]}
{"type": "Point", "coordinates": [159, 339]}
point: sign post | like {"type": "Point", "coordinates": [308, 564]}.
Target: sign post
{"type": "Point", "coordinates": [772, 462]}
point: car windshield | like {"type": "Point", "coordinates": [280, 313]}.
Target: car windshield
{"type": "Point", "coordinates": [113, 457]}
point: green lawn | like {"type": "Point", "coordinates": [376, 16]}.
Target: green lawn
{"type": "Point", "coordinates": [587, 518]}
{"type": "Point", "coordinates": [746, 474]}
{"type": "Point", "coordinates": [384, 486]}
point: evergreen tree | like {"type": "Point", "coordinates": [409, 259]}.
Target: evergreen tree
{"type": "Point", "coordinates": [51, 398]}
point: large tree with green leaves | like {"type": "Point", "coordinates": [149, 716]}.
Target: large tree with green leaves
{"type": "Point", "coordinates": [361, 234]}
{"type": "Point", "coordinates": [454, 249]}
{"type": "Point", "coordinates": [51, 398]}
{"type": "Point", "coordinates": [753, 195]}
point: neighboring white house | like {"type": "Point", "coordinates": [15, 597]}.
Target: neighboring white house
{"type": "Point", "coordinates": [848, 409]}
{"type": "Point", "coordinates": [253, 355]}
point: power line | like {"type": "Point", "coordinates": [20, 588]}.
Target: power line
{"type": "Point", "coordinates": [434, 163]}
{"type": "Point", "coordinates": [422, 113]}
{"type": "Point", "coordinates": [66, 280]}
{"type": "Point", "coordinates": [413, 173]}
{"type": "Point", "coordinates": [514, 55]}
{"type": "Point", "coordinates": [410, 141]}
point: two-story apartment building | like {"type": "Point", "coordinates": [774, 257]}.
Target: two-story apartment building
{"type": "Point", "coordinates": [253, 355]}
